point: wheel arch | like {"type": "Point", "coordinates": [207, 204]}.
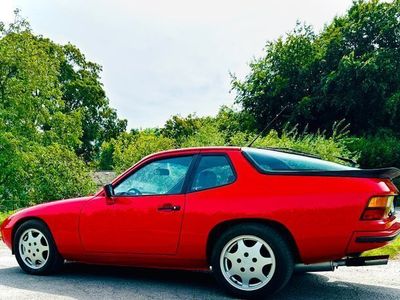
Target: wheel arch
{"type": "Point", "coordinates": [220, 228]}
{"type": "Point", "coordinates": [19, 223]}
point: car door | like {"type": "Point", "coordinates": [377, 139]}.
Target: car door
{"type": "Point", "coordinates": [146, 212]}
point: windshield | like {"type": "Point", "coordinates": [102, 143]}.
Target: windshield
{"type": "Point", "coordinates": [275, 161]}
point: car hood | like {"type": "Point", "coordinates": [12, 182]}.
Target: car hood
{"type": "Point", "coordinates": [50, 206]}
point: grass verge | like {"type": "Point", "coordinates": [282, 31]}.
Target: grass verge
{"type": "Point", "coordinates": [4, 215]}
{"type": "Point", "coordinates": [393, 250]}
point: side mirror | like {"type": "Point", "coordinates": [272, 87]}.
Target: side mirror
{"type": "Point", "coordinates": [109, 191]}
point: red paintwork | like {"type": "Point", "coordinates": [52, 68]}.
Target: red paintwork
{"type": "Point", "coordinates": [321, 213]}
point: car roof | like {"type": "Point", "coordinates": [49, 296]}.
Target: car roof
{"type": "Point", "coordinates": [195, 150]}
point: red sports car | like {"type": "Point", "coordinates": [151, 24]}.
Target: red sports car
{"type": "Point", "coordinates": [252, 216]}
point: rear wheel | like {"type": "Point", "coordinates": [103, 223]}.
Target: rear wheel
{"type": "Point", "coordinates": [252, 260]}
{"type": "Point", "coordinates": [35, 250]}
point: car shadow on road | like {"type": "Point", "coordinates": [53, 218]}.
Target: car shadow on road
{"type": "Point", "coordinates": [88, 282]}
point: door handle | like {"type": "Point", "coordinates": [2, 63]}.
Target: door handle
{"type": "Point", "coordinates": [169, 207]}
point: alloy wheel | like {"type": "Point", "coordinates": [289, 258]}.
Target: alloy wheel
{"type": "Point", "coordinates": [34, 248]}
{"type": "Point", "coordinates": [247, 262]}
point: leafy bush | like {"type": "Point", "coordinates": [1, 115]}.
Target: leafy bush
{"type": "Point", "coordinates": [180, 128]}
{"type": "Point", "coordinates": [32, 173]}
{"type": "Point", "coordinates": [57, 173]}
{"type": "Point", "coordinates": [382, 150]}
{"type": "Point", "coordinates": [129, 148]}
{"type": "Point", "coordinates": [378, 151]}
{"type": "Point", "coordinates": [105, 160]}
{"type": "Point", "coordinates": [207, 135]}
{"type": "Point", "coordinates": [4, 215]}
{"type": "Point", "coordinates": [327, 147]}
{"type": "Point", "coordinates": [14, 174]}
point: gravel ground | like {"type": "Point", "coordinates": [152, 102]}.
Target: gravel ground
{"type": "Point", "coordinates": [78, 281]}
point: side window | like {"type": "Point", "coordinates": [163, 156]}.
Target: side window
{"type": "Point", "coordinates": [161, 177]}
{"type": "Point", "coordinates": [212, 171]}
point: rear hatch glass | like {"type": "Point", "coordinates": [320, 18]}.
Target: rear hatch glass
{"type": "Point", "coordinates": [275, 161]}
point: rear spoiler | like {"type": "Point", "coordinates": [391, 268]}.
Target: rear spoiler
{"type": "Point", "coordinates": [384, 173]}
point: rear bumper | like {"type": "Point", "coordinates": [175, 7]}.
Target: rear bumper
{"type": "Point", "coordinates": [366, 240]}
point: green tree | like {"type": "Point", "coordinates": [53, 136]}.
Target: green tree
{"type": "Point", "coordinates": [231, 121]}
{"type": "Point", "coordinates": [51, 93]}
{"type": "Point", "coordinates": [82, 90]}
{"type": "Point", "coordinates": [57, 173]}
{"type": "Point", "coordinates": [180, 128]}
{"type": "Point", "coordinates": [129, 148]}
{"type": "Point", "coordinates": [351, 71]}
{"type": "Point", "coordinates": [207, 135]}
{"type": "Point", "coordinates": [33, 173]}
{"type": "Point", "coordinates": [193, 130]}
{"type": "Point", "coordinates": [31, 102]}
{"type": "Point", "coordinates": [40, 131]}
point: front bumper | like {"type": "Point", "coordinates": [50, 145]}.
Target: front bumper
{"type": "Point", "coordinates": [6, 232]}
{"type": "Point", "coordinates": [365, 240]}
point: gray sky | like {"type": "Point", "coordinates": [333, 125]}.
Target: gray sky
{"type": "Point", "coordinates": [162, 58]}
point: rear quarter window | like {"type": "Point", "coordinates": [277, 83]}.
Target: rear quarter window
{"type": "Point", "coordinates": [276, 161]}
{"type": "Point", "coordinates": [213, 171]}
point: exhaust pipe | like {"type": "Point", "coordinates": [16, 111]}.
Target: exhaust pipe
{"type": "Point", "coordinates": [348, 262]}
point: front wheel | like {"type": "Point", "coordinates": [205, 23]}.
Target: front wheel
{"type": "Point", "coordinates": [252, 260]}
{"type": "Point", "coordinates": [35, 249]}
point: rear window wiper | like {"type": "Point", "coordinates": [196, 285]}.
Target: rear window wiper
{"type": "Point", "coordinates": [348, 160]}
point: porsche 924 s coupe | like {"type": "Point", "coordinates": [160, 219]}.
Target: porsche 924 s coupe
{"type": "Point", "coordinates": [252, 216]}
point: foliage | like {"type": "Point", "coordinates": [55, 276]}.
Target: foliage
{"type": "Point", "coordinates": [50, 93]}
{"type": "Point", "coordinates": [40, 130]}
{"type": "Point", "coordinates": [56, 173]}
{"type": "Point", "coordinates": [129, 148]}
{"type": "Point", "coordinates": [82, 90]}
{"type": "Point", "coordinates": [105, 161]}
{"type": "Point", "coordinates": [327, 147]}
{"type": "Point", "coordinates": [179, 128]}
{"type": "Point", "coordinates": [14, 175]}
{"type": "Point", "coordinates": [30, 102]}
{"type": "Point", "coordinates": [207, 135]}
{"type": "Point", "coordinates": [4, 215]}
{"type": "Point", "coordinates": [224, 126]}
{"type": "Point", "coordinates": [32, 173]}
{"type": "Point", "coordinates": [231, 121]}
{"type": "Point", "coordinates": [377, 151]}
{"type": "Point", "coordinates": [351, 71]}
{"type": "Point", "coordinates": [380, 150]}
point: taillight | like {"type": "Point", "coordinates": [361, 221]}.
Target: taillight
{"type": "Point", "coordinates": [379, 208]}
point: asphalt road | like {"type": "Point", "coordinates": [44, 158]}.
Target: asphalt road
{"type": "Point", "coordinates": [78, 281]}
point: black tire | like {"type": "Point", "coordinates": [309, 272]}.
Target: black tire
{"type": "Point", "coordinates": [54, 259]}
{"type": "Point", "coordinates": [284, 261]}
